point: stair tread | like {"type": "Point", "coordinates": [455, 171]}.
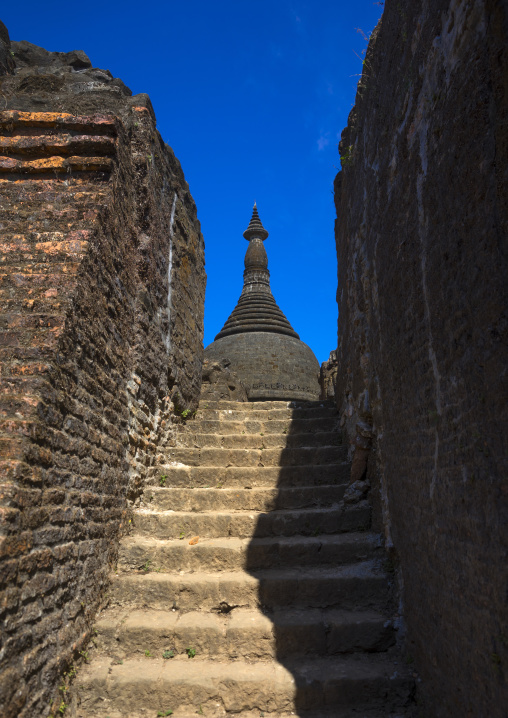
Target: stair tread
{"type": "Point", "coordinates": [239, 616]}
{"type": "Point", "coordinates": [240, 544]}
{"type": "Point", "coordinates": [325, 510]}
{"type": "Point", "coordinates": [360, 666]}
{"type": "Point", "coordinates": [360, 569]}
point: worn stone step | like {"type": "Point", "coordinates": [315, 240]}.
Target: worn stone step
{"type": "Point", "coordinates": [239, 411]}
{"type": "Point", "coordinates": [177, 476]}
{"type": "Point", "coordinates": [262, 425]}
{"type": "Point", "coordinates": [219, 712]}
{"type": "Point", "coordinates": [357, 586]}
{"type": "Point", "coordinates": [231, 554]}
{"type": "Point", "coordinates": [210, 686]}
{"type": "Point", "coordinates": [244, 412]}
{"type": "Point", "coordinates": [256, 441]}
{"type": "Point", "coordinates": [257, 457]}
{"type": "Point", "coordinates": [242, 633]}
{"type": "Point", "coordinates": [264, 405]}
{"type": "Point", "coordinates": [255, 499]}
{"type": "Point", "coordinates": [246, 524]}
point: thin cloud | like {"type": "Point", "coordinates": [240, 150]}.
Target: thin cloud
{"type": "Point", "coordinates": [323, 141]}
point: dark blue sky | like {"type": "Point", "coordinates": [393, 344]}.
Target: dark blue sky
{"type": "Point", "coordinates": [252, 97]}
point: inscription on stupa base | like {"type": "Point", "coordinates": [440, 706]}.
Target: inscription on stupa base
{"type": "Point", "coordinates": [280, 386]}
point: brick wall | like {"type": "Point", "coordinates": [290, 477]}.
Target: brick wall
{"type": "Point", "coordinates": [102, 291]}
{"type": "Point", "coordinates": [422, 248]}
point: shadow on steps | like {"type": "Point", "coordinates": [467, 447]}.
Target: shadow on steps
{"type": "Point", "coordinates": [322, 586]}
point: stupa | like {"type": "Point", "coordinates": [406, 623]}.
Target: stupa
{"type": "Point", "coordinates": [259, 342]}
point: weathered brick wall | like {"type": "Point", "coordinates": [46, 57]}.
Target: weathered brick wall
{"type": "Point", "coordinates": [102, 291]}
{"type": "Point", "coordinates": [422, 250]}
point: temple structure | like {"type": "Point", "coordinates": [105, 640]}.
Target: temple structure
{"type": "Point", "coordinates": [263, 348]}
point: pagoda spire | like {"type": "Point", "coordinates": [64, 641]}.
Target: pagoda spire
{"type": "Point", "coordinates": [255, 230]}
{"type": "Point", "coordinates": [256, 310]}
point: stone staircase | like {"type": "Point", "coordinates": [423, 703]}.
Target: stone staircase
{"type": "Point", "coordinates": [282, 605]}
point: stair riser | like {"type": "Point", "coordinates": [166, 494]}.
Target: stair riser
{"type": "Point", "coordinates": [305, 522]}
{"type": "Point", "coordinates": [254, 414]}
{"type": "Point", "coordinates": [256, 427]}
{"type": "Point", "coordinates": [323, 592]}
{"type": "Point", "coordinates": [254, 644]}
{"type": "Point", "coordinates": [224, 404]}
{"type": "Point", "coordinates": [255, 441]}
{"type": "Point", "coordinates": [201, 557]}
{"type": "Point", "coordinates": [200, 500]}
{"type": "Point", "coordinates": [163, 689]}
{"type": "Point", "coordinates": [257, 457]}
{"type": "Point", "coordinates": [203, 476]}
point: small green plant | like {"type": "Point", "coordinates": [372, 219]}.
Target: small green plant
{"type": "Point", "coordinates": [200, 711]}
{"type": "Point", "coordinates": [146, 566]}
{"type": "Point", "coordinates": [164, 713]}
{"type": "Point", "coordinates": [185, 413]}
{"type": "Point", "coordinates": [162, 480]}
{"type": "Point", "coordinates": [347, 158]}
{"type": "Point", "coordinates": [62, 708]}
{"type": "Point", "coordinates": [84, 655]}
{"type": "Point", "coordinates": [191, 652]}
{"type": "Point", "coordinates": [182, 535]}
{"type": "Point", "coordinates": [168, 654]}
{"type": "Point", "coordinates": [148, 654]}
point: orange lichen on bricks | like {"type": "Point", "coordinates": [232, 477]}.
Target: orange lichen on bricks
{"type": "Point", "coordinates": [56, 164]}
{"type": "Point", "coordinates": [63, 144]}
{"type": "Point", "coordinates": [13, 118]}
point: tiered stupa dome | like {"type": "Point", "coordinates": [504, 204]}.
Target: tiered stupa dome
{"type": "Point", "coordinates": [258, 340]}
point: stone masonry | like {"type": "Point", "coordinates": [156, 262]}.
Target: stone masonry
{"type": "Point", "coordinates": [422, 207]}
{"type": "Point", "coordinates": [102, 292]}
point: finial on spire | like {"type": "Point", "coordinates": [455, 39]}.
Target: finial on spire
{"type": "Point", "coordinates": [255, 228]}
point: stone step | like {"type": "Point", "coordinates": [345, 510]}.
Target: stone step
{"type": "Point", "coordinates": [224, 404]}
{"type": "Point", "coordinates": [177, 476]}
{"type": "Point", "coordinates": [246, 524]}
{"type": "Point", "coordinates": [222, 687]}
{"type": "Point", "coordinates": [287, 427]}
{"type": "Point", "coordinates": [231, 554]}
{"type": "Point", "coordinates": [242, 634]}
{"type": "Point", "coordinates": [229, 423]}
{"type": "Point", "coordinates": [244, 412]}
{"type": "Point", "coordinates": [257, 457]}
{"type": "Point", "coordinates": [256, 441]}
{"type": "Point", "coordinates": [357, 586]}
{"type": "Point", "coordinates": [410, 712]}
{"type": "Point", "coordinates": [255, 499]}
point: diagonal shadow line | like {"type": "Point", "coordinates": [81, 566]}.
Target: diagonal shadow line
{"type": "Point", "coordinates": [312, 577]}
